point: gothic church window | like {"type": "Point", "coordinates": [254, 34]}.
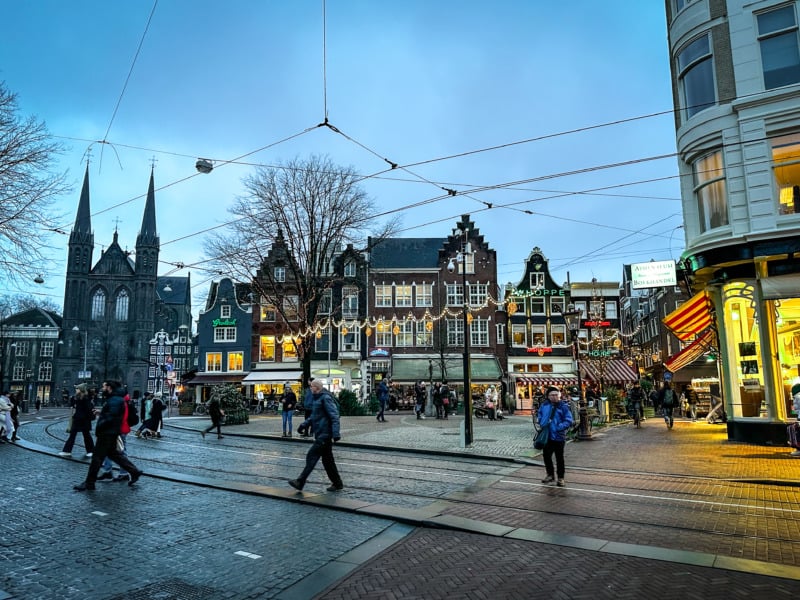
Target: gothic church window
{"type": "Point", "coordinates": [98, 305]}
{"type": "Point", "coordinates": [122, 306]}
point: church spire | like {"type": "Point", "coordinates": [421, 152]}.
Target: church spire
{"type": "Point", "coordinates": [148, 234]}
{"type": "Point", "coordinates": [83, 220]}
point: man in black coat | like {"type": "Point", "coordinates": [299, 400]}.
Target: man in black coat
{"type": "Point", "coordinates": [108, 427]}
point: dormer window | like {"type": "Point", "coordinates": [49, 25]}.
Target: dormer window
{"type": "Point", "coordinates": [280, 274]}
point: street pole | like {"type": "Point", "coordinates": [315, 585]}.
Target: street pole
{"type": "Point", "coordinates": [467, 366]}
{"type": "Point", "coordinates": [573, 319]}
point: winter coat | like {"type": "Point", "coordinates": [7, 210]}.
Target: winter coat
{"type": "Point", "coordinates": [84, 413]}
{"type": "Point", "coordinates": [289, 400]}
{"type": "Point", "coordinates": [109, 423]}
{"type": "Point", "coordinates": [214, 410]}
{"type": "Point", "coordinates": [324, 419]}
{"type": "Point", "coordinates": [383, 392]}
{"type": "Point", "coordinates": [561, 421]}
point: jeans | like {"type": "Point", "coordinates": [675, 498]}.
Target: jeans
{"type": "Point", "coordinates": [557, 448]}
{"type": "Point", "coordinates": [106, 468]}
{"type": "Point", "coordinates": [382, 410]}
{"type": "Point", "coordinates": [286, 417]}
{"type": "Point", "coordinates": [321, 449]}
{"type": "Point", "coordinates": [668, 416]}
{"type": "Point", "coordinates": [693, 411]}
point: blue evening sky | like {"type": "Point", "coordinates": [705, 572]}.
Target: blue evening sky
{"type": "Point", "coordinates": [413, 81]}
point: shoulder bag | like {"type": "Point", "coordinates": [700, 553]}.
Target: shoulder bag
{"type": "Point", "coordinates": [541, 439]}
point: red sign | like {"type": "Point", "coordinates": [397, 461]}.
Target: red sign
{"type": "Point", "coordinates": [597, 323]}
{"type": "Point", "coordinates": [539, 349]}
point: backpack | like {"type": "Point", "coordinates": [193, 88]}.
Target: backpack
{"type": "Point", "coordinates": [669, 398]}
{"type": "Point", "coordinates": [133, 414]}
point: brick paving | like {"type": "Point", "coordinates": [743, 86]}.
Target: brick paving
{"type": "Point", "coordinates": [695, 460]}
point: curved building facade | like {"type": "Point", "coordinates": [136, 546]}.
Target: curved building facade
{"type": "Point", "coordinates": [736, 87]}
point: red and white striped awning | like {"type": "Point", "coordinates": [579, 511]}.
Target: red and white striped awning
{"type": "Point", "coordinates": [538, 379]}
{"type": "Point", "coordinates": [691, 352]}
{"type": "Point", "coordinates": [691, 318]}
{"type": "Point", "coordinates": [609, 371]}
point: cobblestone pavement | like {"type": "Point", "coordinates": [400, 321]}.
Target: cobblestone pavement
{"type": "Point", "coordinates": [556, 556]}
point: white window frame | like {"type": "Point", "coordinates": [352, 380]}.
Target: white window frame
{"type": "Point", "coordinates": [455, 332]}
{"type": "Point", "coordinates": [351, 341]}
{"type": "Point", "coordinates": [261, 344]}
{"type": "Point", "coordinates": [557, 306]}
{"type": "Point", "coordinates": [45, 371]}
{"type": "Point", "coordinates": [455, 294]}
{"type": "Point", "coordinates": [279, 274]}
{"type": "Point", "coordinates": [424, 293]}
{"type": "Point", "coordinates": [424, 337]}
{"type": "Point", "coordinates": [555, 330]}
{"type": "Point", "coordinates": [500, 331]}
{"type": "Point", "coordinates": [541, 330]}
{"type": "Point", "coordinates": [611, 311]}
{"type": "Point", "coordinates": [350, 268]}
{"type": "Point", "coordinates": [710, 191]}
{"type": "Point", "coordinates": [537, 281]}
{"type": "Point", "coordinates": [479, 333]}
{"type": "Point", "coordinates": [325, 302]}
{"type": "Point", "coordinates": [233, 355]}
{"type": "Point", "coordinates": [403, 294]}
{"type": "Point", "coordinates": [538, 305]}
{"type": "Point", "coordinates": [47, 349]}
{"type": "Point", "coordinates": [383, 295]}
{"type": "Point", "coordinates": [224, 334]}
{"type": "Point", "coordinates": [478, 292]}
{"type": "Point", "coordinates": [405, 336]}
{"type": "Point", "coordinates": [215, 366]}
{"type": "Point", "coordinates": [225, 311]}
{"type": "Point", "coordinates": [350, 302]}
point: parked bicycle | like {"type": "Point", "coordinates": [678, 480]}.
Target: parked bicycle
{"type": "Point", "coordinates": [200, 408]}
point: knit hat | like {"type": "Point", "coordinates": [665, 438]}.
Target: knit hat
{"type": "Point", "coordinates": [82, 388]}
{"type": "Point", "coordinates": [551, 389]}
{"type": "Point", "coordinates": [795, 389]}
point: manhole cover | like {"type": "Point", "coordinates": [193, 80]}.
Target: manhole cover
{"type": "Point", "coordinates": [171, 589]}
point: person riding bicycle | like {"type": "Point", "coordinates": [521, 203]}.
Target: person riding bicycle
{"type": "Point", "coordinates": [636, 401]}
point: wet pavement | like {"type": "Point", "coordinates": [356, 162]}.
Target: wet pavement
{"type": "Point", "coordinates": [497, 546]}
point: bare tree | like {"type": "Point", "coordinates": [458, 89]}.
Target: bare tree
{"type": "Point", "coordinates": [316, 209]}
{"type": "Point", "coordinates": [27, 190]}
{"type": "Point", "coordinates": [13, 304]}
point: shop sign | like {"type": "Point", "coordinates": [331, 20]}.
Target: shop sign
{"type": "Point", "coordinates": [751, 383]}
{"type": "Point", "coordinates": [653, 274]}
{"type": "Point", "coordinates": [597, 353]}
{"type": "Point", "coordinates": [223, 323]}
{"type": "Point", "coordinates": [547, 292]}
{"type": "Point", "coordinates": [597, 323]}
{"type": "Point", "coordinates": [379, 352]}
{"type": "Point", "coordinates": [539, 350]}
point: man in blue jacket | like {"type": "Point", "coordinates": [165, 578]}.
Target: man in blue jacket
{"type": "Point", "coordinates": [324, 421]}
{"type": "Point", "coordinates": [556, 415]}
{"type": "Point", "coordinates": [107, 430]}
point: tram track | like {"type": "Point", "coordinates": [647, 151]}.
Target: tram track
{"type": "Point", "coordinates": [469, 473]}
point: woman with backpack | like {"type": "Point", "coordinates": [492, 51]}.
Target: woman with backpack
{"type": "Point", "coordinates": [130, 419]}
{"type": "Point", "coordinates": [667, 399]}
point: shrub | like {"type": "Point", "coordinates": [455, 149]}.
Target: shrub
{"type": "Point", "coordinates": [349, 405]}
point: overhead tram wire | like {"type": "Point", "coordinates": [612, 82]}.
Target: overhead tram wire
{"type": "Point", "coordinates": [128, 78]}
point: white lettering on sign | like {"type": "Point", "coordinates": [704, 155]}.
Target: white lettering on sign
{"type": "Point", "coordinates": [653, 274]}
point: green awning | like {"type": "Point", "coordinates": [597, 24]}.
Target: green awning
{"type": "Point", "coordinates": [451, 368]}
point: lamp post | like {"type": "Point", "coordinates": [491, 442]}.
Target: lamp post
{"type": "Point", "coordinates": [85, 349]}
{"type": "Point", "coordinates": [461, 259]}
{"type": "Point", "coordinates": [573, 319]}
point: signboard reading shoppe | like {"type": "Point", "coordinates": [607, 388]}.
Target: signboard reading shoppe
{"type": "Point", "coordinates": [653, 274]}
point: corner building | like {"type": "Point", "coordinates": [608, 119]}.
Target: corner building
{"type": "Point", "coordinates": [736, 86]}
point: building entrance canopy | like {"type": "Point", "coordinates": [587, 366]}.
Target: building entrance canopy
{"type": "Point", "coordinates": [411, 369]}
{"type": "Point", "coordinates": [272, 376]}
{"type": "Point", "coordinates": [610, 371]}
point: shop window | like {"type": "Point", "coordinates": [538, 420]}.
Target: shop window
{"type": "Point", "coordinates": [777, 38]}
{"type": "Point", "coordinates": [709, 180]}
{"type": "Point", "coordinates": [696, 76]}
{"type": "Point", "coordinates": [786, 168]}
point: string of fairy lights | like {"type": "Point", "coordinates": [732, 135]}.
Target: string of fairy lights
{"type": "Point", "coordinates": [397, 324]}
